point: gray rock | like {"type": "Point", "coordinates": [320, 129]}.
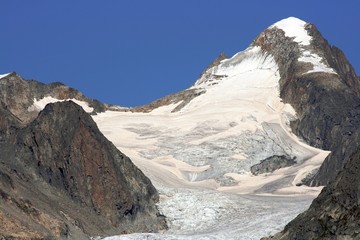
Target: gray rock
{"type": "Point", "coordinates": [271, 164]}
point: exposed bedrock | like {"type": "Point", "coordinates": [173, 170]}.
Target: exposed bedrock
{"type": "Point", "coordinates": [61, 178]}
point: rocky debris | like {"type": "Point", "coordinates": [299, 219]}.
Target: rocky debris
{"type": "Point", "coordinates": [61, 178]}
{"type": "Point", "coordinates": [18, 96]}
{"type": "Point", "coordinates": [327, 104]}
{"type": "Point", "coordinates": [271, 164]}
{"type": "Point", "coordinates": [334, 214]}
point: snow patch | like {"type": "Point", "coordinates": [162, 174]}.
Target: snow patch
{"type": "Point", "coordinates": [39, 105]}
{"type": "Point", "coordinates": [249, 60]}
{"type": "Point", "coordinates": [3, 75]}
{"type": "Point", "coordinates": [294, 27]}
{"type": "Point", "coordinates": [316, 61]}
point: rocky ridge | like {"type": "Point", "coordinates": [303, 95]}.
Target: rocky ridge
{"type": "Point", "coordinates": [60, 178]}
{"type": "Point", "coordinates": [315, 78]}
{"type": "Point", "coordinates": [18, 96]}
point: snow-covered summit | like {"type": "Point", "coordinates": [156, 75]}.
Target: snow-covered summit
{"type": "Point", "coordinates": [255, 58]}
{"type": "Point", "coordinates": [297, 30]}
{"type": "Point", "coordinates": [294, 27]}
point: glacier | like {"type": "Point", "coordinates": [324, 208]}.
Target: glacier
{"type": "Point", "coordinates": [199, 158]}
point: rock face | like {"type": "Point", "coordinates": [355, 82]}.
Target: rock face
{"type": "Point", "coordinates": [61, 178]}
{"type": "Point", "coordinates": [334, 214]}
{"type": "Point", "coordinates": [327, 102]}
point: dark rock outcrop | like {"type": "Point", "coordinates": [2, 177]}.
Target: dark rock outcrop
{"type": "Point", "coordinates": [271, 164]}
{"type": "Point", "coordinates": [327, 104]}
{"type": "Point", "coordinates": [335, 213]}
{"type": "Point", "coordinates": [61, 178]}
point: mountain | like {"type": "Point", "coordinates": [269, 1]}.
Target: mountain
{"type": "Point", "coordinates": [312, 77]}
{"type": "Point", "coordinates": [237, 154]}
{"type": "Point", "coordinates": [60, 177]}
{"type": "Point", "coordinates": [315, 79]}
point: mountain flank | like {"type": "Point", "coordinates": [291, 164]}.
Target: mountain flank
{"type": "Point", "coordinates": [60, 178]}
{"type": "Point", "coordinates": [334, 214]}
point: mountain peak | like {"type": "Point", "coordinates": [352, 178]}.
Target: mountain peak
{"type": "Point", "coordinates": [294, 28]}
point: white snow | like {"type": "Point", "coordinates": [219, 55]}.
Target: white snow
{"type": "Point", "coordinates": [41, 103]}
{"type": "Point", "coordinates": [294, 27]}
{"type": "Point", "coordinates": [316, 61]}
{"type": "Point", "coordinates": [199, 158]}
{"type": "Point", "coordinates": [3, 75]}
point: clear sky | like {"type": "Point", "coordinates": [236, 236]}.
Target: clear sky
{"type": "Point", "coordinates": [130, 52]}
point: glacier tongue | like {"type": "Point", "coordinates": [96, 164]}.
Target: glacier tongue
{"type": "Point", "coordinates": [204, 214]}
{"type": "Point", "coordinates": [200, 157]}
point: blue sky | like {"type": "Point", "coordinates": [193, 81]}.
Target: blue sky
{"type": "Point", "coordinates": [132, 52]}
